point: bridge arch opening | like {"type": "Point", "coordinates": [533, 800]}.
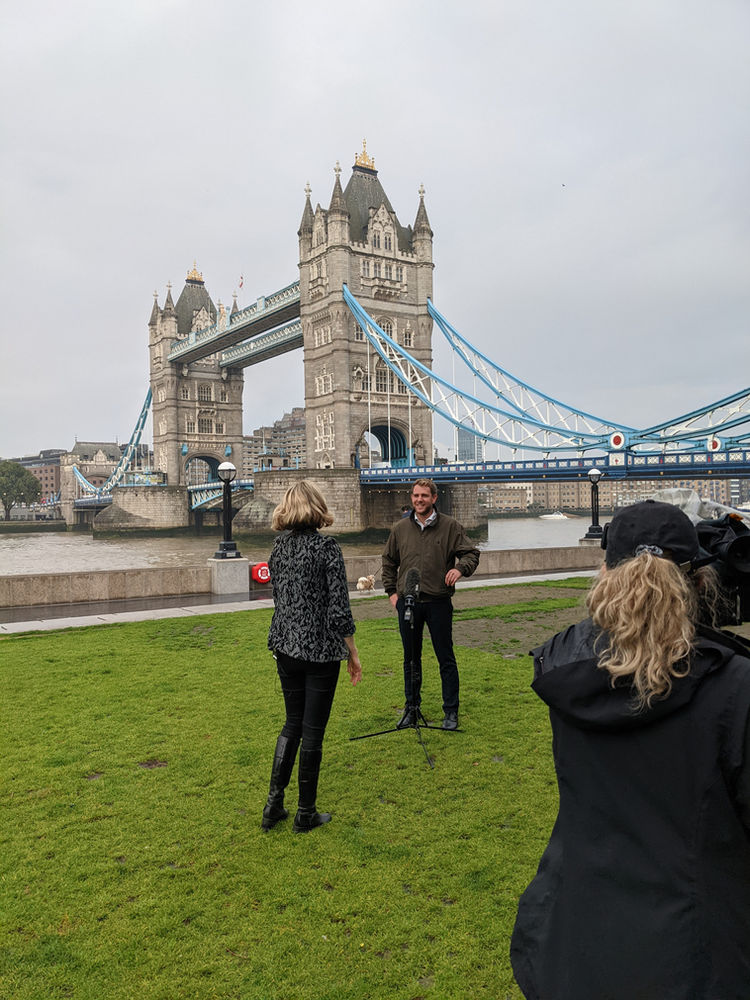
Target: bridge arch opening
{"type": "Point", "coordinates": [389, 441]}
{"type": "Point", "coordinates": [201, 469]}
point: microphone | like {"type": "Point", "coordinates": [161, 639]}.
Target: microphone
{"type": "Point", "coordinates": [411, 590]}
{"type": "Point", "coordinates": [411, 583]}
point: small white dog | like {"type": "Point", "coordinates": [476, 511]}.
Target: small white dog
{"type": "Point", "coordinates": [366, 582]}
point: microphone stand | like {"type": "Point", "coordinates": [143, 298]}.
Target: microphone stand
{"type": "Point", "coordinates": [410, 600]}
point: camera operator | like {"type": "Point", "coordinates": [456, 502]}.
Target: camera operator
{"type": "Point", "coordinates": [644, 887]}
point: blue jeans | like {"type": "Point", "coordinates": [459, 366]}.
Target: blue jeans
{"type": "Point", "coordinates": [438, 615]}
{"type": "Point", "coordinates": [308, 696]}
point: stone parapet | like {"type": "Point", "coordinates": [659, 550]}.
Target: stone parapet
{"type": "Point", "coordinates": [102, 585]}
{"type": "Point", "coordinates": [116, 585]}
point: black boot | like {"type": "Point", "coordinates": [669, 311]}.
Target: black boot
{"type": "Point", "coordinates": [308, 817]}
{"type": "Point", "coordinates": [281, 771]}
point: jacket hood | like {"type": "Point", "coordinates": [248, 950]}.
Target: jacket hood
{"type": "Point", "coordinates": [568, 679]}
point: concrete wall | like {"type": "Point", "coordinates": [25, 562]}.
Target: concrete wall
{"type": "Point", "coordinates": [112, 585]}
{"type": "Point", "coordinates": [503, 562]}
{"type": "Point", "coordinates": [102, 585]}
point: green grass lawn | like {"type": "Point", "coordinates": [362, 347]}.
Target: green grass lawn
{"type": "Point", "coordinates": [135, 768]}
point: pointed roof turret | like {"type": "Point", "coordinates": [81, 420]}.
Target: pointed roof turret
{"type": "Point", "coordinates": [337, 198]}
{"type": "Point", "coordinates": [168, 303]}
{"type": "Point", "coordinates": [422, 223]}
{"type": "Point", "coordinates": [235, 308]}
{"type": "Point", "coordinates": [306, 224]}
{"type": "Point", "coordinates": [155, 312]}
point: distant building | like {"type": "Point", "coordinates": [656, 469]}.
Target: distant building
{"type": "Point", "coordinates": [46, 468]}
{"type": "Point", "coordinates": [281, 445]}
{"type": "Point", "coordinates": [470, 448]}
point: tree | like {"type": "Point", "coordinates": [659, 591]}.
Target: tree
{"type": "Point", "coordinates": [17, 485]}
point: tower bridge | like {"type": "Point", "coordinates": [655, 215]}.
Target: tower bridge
{"type": "Point", "coordinates": [363, 315]}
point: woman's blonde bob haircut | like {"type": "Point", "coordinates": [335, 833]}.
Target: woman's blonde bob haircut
{"type": "Point", "coordinates": [303, 506]}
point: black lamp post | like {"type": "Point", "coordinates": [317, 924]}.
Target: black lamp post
{"type": "Point", "coordinates": [595, 531]}
{"type": "Point", "coordinates": [227, 548]}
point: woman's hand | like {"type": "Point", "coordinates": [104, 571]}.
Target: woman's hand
{"type": "Point", "coordinates": [354, 668]}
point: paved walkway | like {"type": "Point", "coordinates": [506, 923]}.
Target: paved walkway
{"type": "Point", "coordinates": [217, 607]}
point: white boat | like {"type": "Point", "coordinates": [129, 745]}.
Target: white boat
{"type": "Point", "coordinates": [557, 516]}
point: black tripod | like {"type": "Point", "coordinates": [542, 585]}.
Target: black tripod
{"type": "Point", "coordinates": [418, 721]}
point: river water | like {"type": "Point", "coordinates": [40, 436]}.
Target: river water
{"type": "Point", "coordinates": [60, 552]}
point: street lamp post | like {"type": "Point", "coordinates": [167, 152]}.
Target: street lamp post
{"type": "Point", "coordinates": [227, 548]}
{"type": "Point", "coordinates": [595, 531]}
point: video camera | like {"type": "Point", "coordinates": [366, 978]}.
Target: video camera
{"type": "Point", "coordinates": [727, 540]}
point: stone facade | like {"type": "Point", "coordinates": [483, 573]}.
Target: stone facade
{"type": "Point", "coordinates": [197, 407]}
{"type": "Point", "coordinates": [340, 487]}
{"type": "Point", "coordinates": [141, 508]}
{"type": "Point", "coordinates": [359, 242]}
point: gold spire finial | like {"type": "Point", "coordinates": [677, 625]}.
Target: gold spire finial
{"type": "Point", "coordinates": [363, 160]}
{"type": "Point", "coordinates": [308, 189]}
{"type": "Point", "coordinates": [195, 275]}
{"type": "Point", "coordinates": [337, 168]}
{"type": "Point", "coordinates": [421, 190]}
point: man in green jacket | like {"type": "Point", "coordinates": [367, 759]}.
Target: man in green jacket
{"type": "Point", "coordinates": [433, 551]}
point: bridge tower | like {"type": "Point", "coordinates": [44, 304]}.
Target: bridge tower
{"type": "Point", "coordinates": [359, 241]}
{"type": "Point", "coordinates": [197, 407]}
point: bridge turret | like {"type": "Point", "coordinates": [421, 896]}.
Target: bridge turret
{"type": "Point", "coordinates": [359, 242]}
{"type": "Point", "coordinates": [422, 232]}
{"type": "Point", "coordinates": [155, 312]}
{"type": "Point", "coordinates": [306, 226]}
{"type": "Point", "coordinates": [338, 215]}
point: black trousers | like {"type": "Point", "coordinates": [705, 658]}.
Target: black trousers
{"type": "Point", "coordinates": [308, 696]}
{"type": "Point", "coordinates": [438, 616]}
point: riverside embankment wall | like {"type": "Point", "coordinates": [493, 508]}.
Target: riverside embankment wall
{"type": "Point", "coordinates": [117, 585]}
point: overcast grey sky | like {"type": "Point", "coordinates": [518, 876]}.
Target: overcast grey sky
{"type": "Point", "coordinates": [585, 162]}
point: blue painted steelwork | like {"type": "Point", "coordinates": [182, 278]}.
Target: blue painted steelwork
{"type": "Point", "coordinates": [520, 396]}
{"type": "Point", "coordinates": [126, 458]}
{"type": "Point", "coordinates": [212, 492]}
{"type": "Point", "coordinates": [537, 422]}
{"type": "Point", "coordinates": [673, 465]}
{"type": "Point", "coordinates": [268, 312]}
{"type": "Point", "coordinates": [485, 420]}
{"type": "Point", "coordinates": [264, 346]}
{"type": "Point", "coordinates": [99, 501]}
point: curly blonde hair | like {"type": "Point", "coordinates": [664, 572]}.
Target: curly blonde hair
{"type": "Point", "coordinates": [647, 609]}
{"type": "Point", "coordinates": [303, 506]}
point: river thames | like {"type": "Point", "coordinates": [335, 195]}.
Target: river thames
{"type": "Point", "coordinates": [61, 552]}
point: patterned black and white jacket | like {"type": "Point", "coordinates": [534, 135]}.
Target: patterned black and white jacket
{"type": "Point", "coordinates": [312, 613]}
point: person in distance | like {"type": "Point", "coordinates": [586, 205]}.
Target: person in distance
{"type": "Point", "coordinates": [644, 888]}
{"type": "Point", "coordinates": [312, 630]}
{"type": "Point", "coordinates": [433, 549]}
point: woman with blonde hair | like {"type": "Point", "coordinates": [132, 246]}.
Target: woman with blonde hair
{"type": "Point", "coordinates": [643, 892]}
{"type": "Point", "coordinates": [312, 630]}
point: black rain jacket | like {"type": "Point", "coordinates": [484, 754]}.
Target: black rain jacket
{"type": "Point", "coordinates": [643, 892]}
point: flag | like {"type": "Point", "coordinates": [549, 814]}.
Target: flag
{"type": "Point", "coordinates": [242, 280]}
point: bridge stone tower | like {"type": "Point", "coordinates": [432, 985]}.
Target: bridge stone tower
{"type": "Point", "coordinates": [197, 407]}
{"type": "Point", "coordinates": [359, 241]}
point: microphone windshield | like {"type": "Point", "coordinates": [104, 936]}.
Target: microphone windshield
{"type": "Point", "coordinates": [411, 583]}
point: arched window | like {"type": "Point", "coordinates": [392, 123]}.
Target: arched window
{"type": "Point", "coordinates": [204, 392]}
